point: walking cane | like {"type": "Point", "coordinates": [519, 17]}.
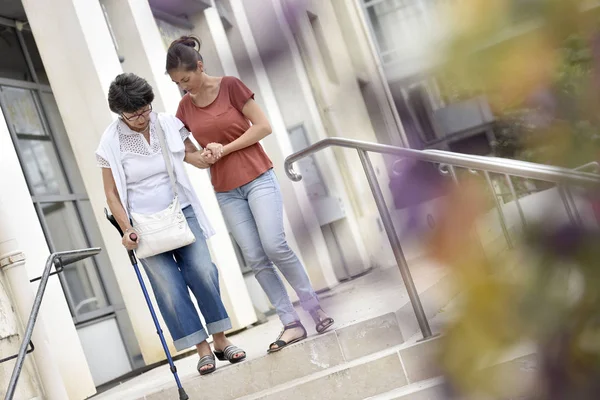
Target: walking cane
{"type": "Point", "coordinates": [182, 394]}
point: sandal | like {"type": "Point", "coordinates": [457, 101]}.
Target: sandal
{"type": "Point", "coordinates": [282, 343]}
{"type": "Point", "coordinates": [204, 361]}
{"type": "Point", "coordinates": [228, 354]}
{"type": "Point", "coordinates": [322, 323]}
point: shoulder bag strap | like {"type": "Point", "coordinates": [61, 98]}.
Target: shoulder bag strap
{"type": "Point", "coordinates": [163, 146]}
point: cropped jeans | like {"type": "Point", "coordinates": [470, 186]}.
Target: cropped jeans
{"type": "Point", "coordinates": [254, 216]}
{"type": "Point", "coordinates": [172, 273]}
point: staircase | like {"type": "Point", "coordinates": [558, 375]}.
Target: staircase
{"type": "Point", "coordinates": [377, 357]}
{"type": "Point", "coordinates": [374, 350]}
{"type": "Point", "coordinates": [377, 351]}
{"type": "Point", "coordinates": [355, 362]}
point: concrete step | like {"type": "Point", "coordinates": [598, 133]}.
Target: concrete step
{"type": "Point", "coordinates": [408, 372]}
{"type": "Point", "coordinates": [513, 377]}
{"type": "Point", "coordinates": [302, 359]}
{"type": "Point", "coordinates": [430, 389]}
{"type": "Point", "coordinates": [362, 378]}
{"type": "Point", "coordinates": [360, 336]}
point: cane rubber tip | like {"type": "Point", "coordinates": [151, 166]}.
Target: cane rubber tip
{"type": "Point", "coordinates": [182, 394]}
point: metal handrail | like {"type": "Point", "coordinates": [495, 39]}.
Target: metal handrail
{"type": "Point", "coordinates": [592, 167]}
{"type": "Point", "coordinates": [491, 164]}
{"type": "Point", "coordinates": [58, 259]}
{"type": "Point", "coordinates": [564, 192]}
{"type": "Point", "coordinates": [508, 168]}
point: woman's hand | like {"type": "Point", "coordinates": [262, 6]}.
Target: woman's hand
{"type": "Point", "coordinates": [127, 242]}
{"type": "Point", "coordinates": [201, 159]}
{"type": "Point", "coordinates": [216, 150]}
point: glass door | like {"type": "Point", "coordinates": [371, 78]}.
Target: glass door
{"type": "Point", "coordinates": [63, 207]}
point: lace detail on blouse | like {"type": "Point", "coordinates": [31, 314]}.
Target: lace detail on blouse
{"type": "Point", "coordinates": [134, 142]}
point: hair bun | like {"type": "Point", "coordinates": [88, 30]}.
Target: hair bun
{"type": "Point", "coordinates": [184, 53]}
{"type": "Point", "coordinates": [188, 41]}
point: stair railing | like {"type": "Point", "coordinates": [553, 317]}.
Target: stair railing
{"type": "Point", "coordinates": [59, 260]}
{"type": "Point", "coordinates": [447, 163]}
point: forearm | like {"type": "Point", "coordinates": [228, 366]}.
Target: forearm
{"type": "Point", "coordinates": [118, 211]}
{"type": "Point", "coordinates": [252, 136]}
{"type": "Point", "coordinates": [189, 156]}
{"type": "Point", "coordinates": [190, 151]}
{"type": "Point", "coordinates": [197, 160]}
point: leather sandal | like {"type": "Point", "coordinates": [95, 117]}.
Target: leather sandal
{"type": "Point", "coordinates": [322, 324]}
{"type": "Point", "coordinates": [228, 354]}
{"type": "Point", "coordinates": [281, 344]}
{"type": "Point", "coordinates": [204, 361]}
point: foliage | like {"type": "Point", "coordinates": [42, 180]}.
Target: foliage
{"type": "Point", "coordinates": [543, 85]}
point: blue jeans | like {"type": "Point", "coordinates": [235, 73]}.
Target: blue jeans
{"type": "Point", "coordinates": [254, 216]}
{"type": "Point", "coordinates": [172, 273]}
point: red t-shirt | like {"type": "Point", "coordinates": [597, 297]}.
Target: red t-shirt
{"type": "Point", "coordinates": [222, 122]}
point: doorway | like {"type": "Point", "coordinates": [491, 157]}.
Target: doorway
{"type": "Point", "coordinates": [62, 205]}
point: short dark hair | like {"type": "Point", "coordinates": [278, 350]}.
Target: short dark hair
{"type": "Point", "coordinates": [184, 53]}
{"type": "Point", "coordinates": [128, 93]}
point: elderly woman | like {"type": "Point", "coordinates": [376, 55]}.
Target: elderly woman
{"type": "Point", "coordinates": [137, 181]}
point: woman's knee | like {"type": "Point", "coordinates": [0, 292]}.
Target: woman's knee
{"type": "Point", "coordinates": [260, 267]}
{"type": "Point", "coordinates": [278, 251]}
{"type": "Point", "coordinates": [205, 272]}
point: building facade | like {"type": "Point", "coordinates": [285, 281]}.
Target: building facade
{"type": "Point", "coordinates": [314, 69]}
{"type": "Point", "coordinates": [409, 37]}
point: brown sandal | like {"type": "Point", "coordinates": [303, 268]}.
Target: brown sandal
{"type": "Point", "coordinates": [282, 343]}
{"type": "Point", "coordinates": [322, 323]}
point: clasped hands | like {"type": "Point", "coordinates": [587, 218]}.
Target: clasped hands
{"type": "Point", "coordinates": [208, 156]}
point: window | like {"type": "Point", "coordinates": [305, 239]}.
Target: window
{"type": "Point", "coordinates": [51, 172]}
{"type": "Point", "coordinates": [319, 35]}
{"type": "Point", "coordinates": [13, 64]}
{"type": "Point", "coordinates": [404, 29]}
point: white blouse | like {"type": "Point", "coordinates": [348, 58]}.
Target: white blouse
{"type": "Point", "coordinates": [148, 185]}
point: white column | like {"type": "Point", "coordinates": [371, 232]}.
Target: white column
{"type": "Point", "coordinates": [318, 262]}
{"type": "Point", "coordinates": [10, 337]}
{"type": "Point", "coordinates": [344, 112]}
{"type": "Point", "coordinates": [219, 36]}
{"type": "Point", "coordinates": [353, 230]}
{"type": "Point", "coordinates": [224, 51]}
{"type": "Point", "coordinates": [140, 43]}
{"type": "Point", "coordinates": [59, 358]}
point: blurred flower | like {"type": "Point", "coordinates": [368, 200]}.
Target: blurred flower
{"type": "Point", "coordinates": [413, 183]}
{"type": "Point", "coordinates": [454, 236]}
{"type": "Point", "coordinates": [538, 63]}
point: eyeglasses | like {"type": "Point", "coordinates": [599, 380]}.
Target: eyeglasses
{"type": "Point", "coordinates": [137, 116]}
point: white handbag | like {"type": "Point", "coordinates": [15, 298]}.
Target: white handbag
{"type": "Point", "coordinates": [167, 229]}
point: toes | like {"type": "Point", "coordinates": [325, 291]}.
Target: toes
{"type": "Point", "coordinates": [206, 367]}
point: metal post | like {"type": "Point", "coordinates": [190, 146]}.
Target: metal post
{"type": "Point", "coordinates": [453, 174]}
{"type": "Point", "coordinates": [499, 208]}
{"type": "Point", "coordinates": [571, 200]}
{"type": "Point", "coordinates": [35, 309]}
{"type": "Point", "coordinates": [413, 294]}
{"type": "Point", "coordinates": [516, 197]}
{"type": "Point", "coordinates": [12, 385]}
{"type": "Point", "coordinates": [563, 195]}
